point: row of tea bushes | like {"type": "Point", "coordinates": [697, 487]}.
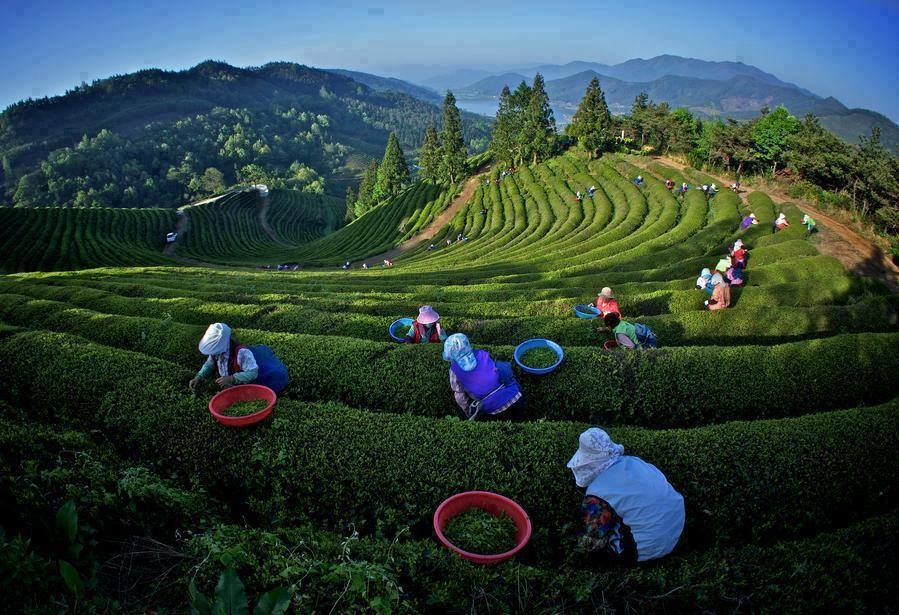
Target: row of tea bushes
{"type": "Point", "coordinates": [335, 465]}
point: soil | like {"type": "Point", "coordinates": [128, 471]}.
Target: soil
{"type": "Point", "coordinates": [833, 238]}
{"type": "Point", "coordinates": [429, 232]}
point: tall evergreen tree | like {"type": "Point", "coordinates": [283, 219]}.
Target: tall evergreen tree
{"type": "Point", "coordinates": [539, 123]}
{"type": "Point", "coordinates": [350, 205]}
{"type": "Point", "coordinates": [503, 141]}
{"type": "Point", "coordinates": [393, 172]}
{"type": "Point", "coordinates": [366, 199]}
{"type": "Point", "coordinates": [592, 122]}
{"type": "Point", "coordinates": [429, 161]}
{"type": "Point", "coordinates": [452, 146]}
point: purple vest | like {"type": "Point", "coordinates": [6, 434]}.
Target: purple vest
{"type": "Point", "coordinates": [483, 380]}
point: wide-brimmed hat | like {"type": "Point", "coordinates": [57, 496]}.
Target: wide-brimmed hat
{"type": "Point", "coordinates": [705, 273]}
{"type": "Point", "coordinates": [606, 292]}
{"type": "Point", "coordinates": [595, 453]}
{"type": "Point", "coordinates": [216, 339]}
{"type": "Point", "coordinates": [427, 315]}
{"type": "Point", "coordinates": [458, 349]}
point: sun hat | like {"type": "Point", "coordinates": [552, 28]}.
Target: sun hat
{"type": "Point", "coordinates": [705, 273]}
{"type": "Point", "coordinates": [717, 279]}
{"type": "Point", "coordinates": [216, 339]}
{"type": "Point", "coordinates": [427, 315]}
{"type": "Point", "coordinates": [595, 453]}
{"type": "Point", "coordinates": [458, 349]}
{"type": "Point", "coordinates": [606, 292]}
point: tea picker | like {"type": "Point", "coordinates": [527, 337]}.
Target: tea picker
{"type": "Point", "coordinates": [630, 511]}
{"type": "Point", "coordinates": [482, 387]}
{"type": "Point", "coordinates": [236, 363]}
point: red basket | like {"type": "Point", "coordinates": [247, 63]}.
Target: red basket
{"type": "Point", "coordinates": [239, 393]}
{"type": "Point", "coordinates": [610, 345]}
{"type": "Point", "coordinates": [494, 504]}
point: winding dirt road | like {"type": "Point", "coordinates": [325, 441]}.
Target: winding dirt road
{"type": "Point", "coordinates": [430, 231]}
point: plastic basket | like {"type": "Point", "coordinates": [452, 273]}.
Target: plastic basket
{"type": "Point", "coordinates": [538, 343]}
{"type": "Point", "coordinates": [239, 393]}
{"type": "Point", "coordinates": [399, 324]}
{"type": "Point", "coordinates": [494, 504]}
{"type": "Point", "coordinates": [585, 310]}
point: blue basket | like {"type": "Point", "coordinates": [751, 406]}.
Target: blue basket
{"type": "Point", "coordinates": [396, 324]}
{"type": "Point", "coordinates": [538, 343]}
{"type": "Point", "coordinates": [585, 310]}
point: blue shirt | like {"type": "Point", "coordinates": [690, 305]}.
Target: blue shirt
{"type": "Point", "coordinates": [645, 501]}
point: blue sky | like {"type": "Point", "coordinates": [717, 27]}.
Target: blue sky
{"type": "Point", "coordinates": [848, 49]}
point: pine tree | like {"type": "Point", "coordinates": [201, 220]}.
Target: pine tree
{"type": "Point", "coordinates": [539, 125]}
{"type": "Point", "coordinates": [502, 142]}
{"type": "Point", "coordinates": [592, 122]}
{"type": "Point", "coordinates": [452, 146]}
{"type": "Point", "coordinates": [350, 205]}
{"type": "Point", "coordinates": [393, 172]}
{"type": "Point", "coordinates": [366, 201]}
{"type": "Point", "coordinates": [429, 161]}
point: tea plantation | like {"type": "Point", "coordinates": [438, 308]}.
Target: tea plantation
{"type": "Point", "coordinates": [777, 419]}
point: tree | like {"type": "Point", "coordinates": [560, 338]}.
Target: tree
{"type": "Point", "coordinates": [539, 123]}
{"type": "Point", "coordinates": [429, 161]}
{"type": "Point", "coordinates": [213, 181]}
{"type": "Point", "coordinates": [503, 139]}
{"type": "Point", "coordinates": [452, 146]}
{"type": "Point", "coordinates": [393, 172]}
{"type": "Point", "coordinates": [592, 122]}
{"type": "Point", "coordinates": [818, 156]}
{"type": "Point", "coordinates": [350, 205]}
{"type": "Point", "coordinates": [366, 201]}
{"type": "Point", "coordinates": [683, 130]}
{"type": "Point", "coordinates": [637, 120]}
{"type": "Point", "coordinates": [771, 134]}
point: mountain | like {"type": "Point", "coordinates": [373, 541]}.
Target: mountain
{"type": "Point", "coordinates": [491, 87]}
{"type": "Point", "coordinates": [640, 70]}
{"type": "Point", "coordinates": [391, 84]}
{"type": "Point", "coordinates": [455, 80]}
{"type": "Point", "coordinates": [156, 137]}
{"type": "Point", "coordinates": [739, 97]}
{"type": "Point", "coordinates": [560, 71]}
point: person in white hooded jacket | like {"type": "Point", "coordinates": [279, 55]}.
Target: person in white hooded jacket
{"type": "Point", "coordinates": [630, 511]}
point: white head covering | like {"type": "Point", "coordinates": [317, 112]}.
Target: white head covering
{"type": "Point", "coordinates": [717, 279]}
{"type": "Point", "coordinates": [594, 454]}
{"type": "Point", "coordinates": [457, 348]}
{"type": "Point", "coordinates": [216, 339]}
{"type": "Point", "coordinates": [705, 273]}
{"type": "Point", "coordinates": [782, 216]}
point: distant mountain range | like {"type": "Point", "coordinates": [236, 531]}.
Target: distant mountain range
{"type": "Point", "coordinates": [708, 89]}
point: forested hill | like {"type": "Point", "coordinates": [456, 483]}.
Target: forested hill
{"type": "Point", "coordinates": [157, 138]}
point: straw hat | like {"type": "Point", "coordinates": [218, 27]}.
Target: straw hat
{"type": "Point", "coordinates": [606, 292]}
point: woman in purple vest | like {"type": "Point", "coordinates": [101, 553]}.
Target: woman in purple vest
{"type": "Point", "coordinates": [481, 386]}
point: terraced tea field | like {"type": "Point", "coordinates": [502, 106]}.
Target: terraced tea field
{"type": "Point", "coordinates": [776, 418]}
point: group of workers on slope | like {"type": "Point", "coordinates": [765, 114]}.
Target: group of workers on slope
{"type": "Point", "coordinates": [630, 512]}
{"type": "Point", "coordinates": [627, 334]}
{"type": "Point", "coordinates": [727, 272]}
{"type": "Point", "coordinates": [580, 197]}
{"type": "Point", "coordinates": [780, 223]}
{"type": "Point", "coordinates": [709, 190]}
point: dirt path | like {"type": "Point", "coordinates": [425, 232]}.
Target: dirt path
{"type": "Point", "coordinates": [834, 238]}
{"type": "Point", "coordinates": [430, 231]}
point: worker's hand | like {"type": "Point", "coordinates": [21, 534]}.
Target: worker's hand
{"type": "Point", "coordinates": [225, 381]}
{"type": "Point", "coordinates": [193, 383]}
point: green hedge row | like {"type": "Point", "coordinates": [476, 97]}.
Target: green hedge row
{"type": "Point", "coordinates": [653, 388]}
{"type": "Point", "coordinates": [849, 569]}
{"type": "Point", "coordinates": [336, 465]}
